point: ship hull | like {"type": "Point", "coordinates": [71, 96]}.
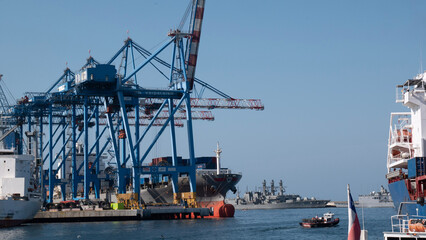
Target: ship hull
{"type": "Point", "coordinates": [16, 212]}
{"type": "Point", "coordinates": [319, 224]}
{"type": "Point", "coordinates": [211, 190]}
{"type": "Point", "coordinates": [283, 205]}
{"type": "Point", "coordinates": [399, 193]}
{"type": "Point", "coordinates": [375, 204]}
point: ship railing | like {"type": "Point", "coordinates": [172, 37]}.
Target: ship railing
{"type": "Point", "coordinates": [398, 159]}
{"type": "Point", "coordinates": [400, 128]}
{"type": "Point", "coordinates": [399, 223]}
{"type": "Point", "coordinates": [401, 134]}
{"type": "Point", "coordinates": [222, 171]}
{"type": "Point", "coordinates": [34, 195]}
{"type": "Point", "coordinates": [400, 90]}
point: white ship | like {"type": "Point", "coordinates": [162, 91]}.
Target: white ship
{"type": "Point", "coordinates": [376, 199]}
{"type": "Point", "coordinates": [406, 162]}
{"type": "Point", "coordinates": [19, 200]}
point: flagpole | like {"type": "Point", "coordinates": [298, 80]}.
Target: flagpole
{"type": "Point", "coordinates": [354, 229]}
{"type": "Point", "coordinates": [349, 209]}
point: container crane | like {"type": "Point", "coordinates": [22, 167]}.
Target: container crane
{"type": "Point", "coordinates": [8, 125]}
{"type": "Point", "coordinates": [113, 96]}
{"type": "Point", "coordinates": [4, 103]}
{"type": "Point", "coordinates": [191, 54]}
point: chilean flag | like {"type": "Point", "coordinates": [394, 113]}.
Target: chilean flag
{"type": "Point", "coordinates": [354, 229]}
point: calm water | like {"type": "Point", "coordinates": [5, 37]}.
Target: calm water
{"type": "Point", "coordinates": [253, 224]}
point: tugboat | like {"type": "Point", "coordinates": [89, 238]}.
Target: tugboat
{"type": "Point", "coordinates": [327, 220]}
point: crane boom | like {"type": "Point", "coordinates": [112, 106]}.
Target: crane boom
{"type": "Point", "coordinates": [4, 104]}
{"type": "Point", "coordinates": [211, 103]}
{"type": "Point", "coordinates": [195, 31]}
{"type": "Point", "coordinates": [145, 122]}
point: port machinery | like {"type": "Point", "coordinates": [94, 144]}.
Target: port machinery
{"type": "Point", "coordinates": [107, 109]}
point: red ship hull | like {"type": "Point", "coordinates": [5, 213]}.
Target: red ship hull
{"type": "Point", "coordinates": [316, 224]}
{"type": "Point", "coordinates": [210, 193]}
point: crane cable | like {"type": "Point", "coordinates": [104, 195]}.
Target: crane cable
{"type": "Point", "coordinates": [185, 15]}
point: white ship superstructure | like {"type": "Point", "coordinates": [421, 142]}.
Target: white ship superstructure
{"type": "Point", "coordinates": [408, 129]}
{"type": "Point", "coordinates": [406, 162]}
{"type": "Point", "coordinates": [19, 200]}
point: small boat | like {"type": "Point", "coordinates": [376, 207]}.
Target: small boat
{"type": "Point", "coordinates": [327, 220]}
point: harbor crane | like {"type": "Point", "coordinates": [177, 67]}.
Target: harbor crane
{"type": "Point", "coordinates": [109, 108]}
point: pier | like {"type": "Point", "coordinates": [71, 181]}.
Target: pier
{"type": "Point", "coordinates": [152, 213]}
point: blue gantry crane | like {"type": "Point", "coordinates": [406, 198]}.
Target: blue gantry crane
{"type": "Point", "coordinates": [103, 107]}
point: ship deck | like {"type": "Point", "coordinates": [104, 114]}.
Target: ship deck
{"type": "Point", "coordinates": [403, 236]}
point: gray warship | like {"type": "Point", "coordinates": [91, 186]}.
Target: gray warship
{"type": "Point", "coordinates": [376, 199]}
{"type": "Point", "coordinates": [274, 198]}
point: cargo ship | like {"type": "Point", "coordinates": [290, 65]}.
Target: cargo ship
{"type": "Point", "coordinates": [19, 200]}
{"type": "Point", "coordinates": [274, 198]}
{"type": "Point", "coordinates": [406, 157]}
{"type": "Point", "coordinates": [212, 181]}
{"type": "Point", "coordinates": [212, 184]}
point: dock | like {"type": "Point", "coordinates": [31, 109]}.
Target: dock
{"type": "Point", "coordinates": [154, 213]}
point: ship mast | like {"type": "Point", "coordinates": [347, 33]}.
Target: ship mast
{"type": "Point", "coordinates": [218, 152]}
{"type": "Point", "coordinates": [272, 188]}
{"type": "Point", "coordinates": [281, 188]}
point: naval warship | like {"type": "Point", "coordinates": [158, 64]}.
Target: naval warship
{"type": "Point", "coordinates": [376, 199]}
{"type": "Point", "coordinates": [274, 198]}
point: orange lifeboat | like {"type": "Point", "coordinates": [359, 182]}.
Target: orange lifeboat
{"type": "Point", "coordinates": [395, 153]}
{"type": "Point", "coordinates": [416, 225]}
{"type": "Point", "coordinates": [406, 136]}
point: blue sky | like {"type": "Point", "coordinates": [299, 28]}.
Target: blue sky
{"type": "Point", "coordinates": [325, 70]}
